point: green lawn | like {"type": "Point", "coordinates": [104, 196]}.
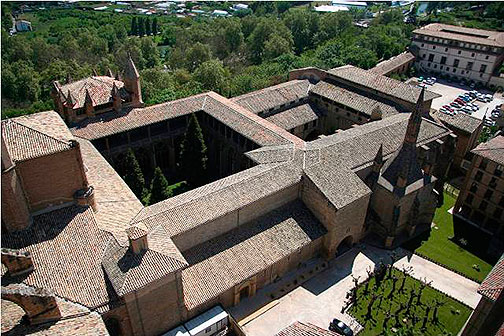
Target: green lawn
{"type": "Point", "coordinates": [451, 316]}
{"type": "Point", "coordinates": [441, 249]}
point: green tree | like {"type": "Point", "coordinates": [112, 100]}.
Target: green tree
{"type": "Point", "coordinates": [141, 27]}
{"type": "Point", "coordinates": [134, 26]}
{"type": "Point", "coordinates": [154, 26]}
{"type": "Point", "coordinates": [276, 46]}
{"type": "Point", "coordinates": [193, 154]}
{"type": "Point", "coordinates": [148, 27]}
{"type": "Point", "coordinates": [197, 55]}
{"type": "Point", "coordinates": [149, 52]}
{"type": "Point", "coordinates": [132, 174]}
{"type": "Point", "coordinates": [303, 24]}
{"type": "Point", "coordinates": [262, 33]}
{"type": "Point", "coordinates": [212, 75]}
{"type": "Point", "coordinates": [159, 188]}
{"type": "Point", "coordinates": [333, 25]}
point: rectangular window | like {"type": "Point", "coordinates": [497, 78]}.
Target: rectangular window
{"type": "Point", "coordinates": [488, 194]}
{"type": "Point", "coordinates": [469, 65]}
{"type": "Point", "coordinates": [454, 70]}
{"type": "Point", "coordinates": [474, 187]}
{"type": "Point", "coordinates": [498, 171]}
{"type": "Point", "coordinates": [483, 68]}
{"type": "Point", "coordinates": [493, 183]}
{"type": "Point", "coordinates": [483, 164]}
{"type": "Point", "coordinates": [478, 176]}
{"type": "Point", "coordinates": [446, 49]}
{"type": "Point", "coordinates": [486, 57]}
{"type": "Point", "coordinates": [483, 205]}
{"type": "Point", "coordinates": [469, 199]}
{"type": "Point", "coordinates": [441, 67]}
{"type": "Point", "coordinates": [435, 66]}
{"type": "Point", "coordinates": [423, 44]}
{"type": "Point", "coordinates": [459, 52]}
{"type": "Point", "coordinates": [431, 57]}
{"type": "Point", "coordinates": [456, 62]}
{"type": "Point", "coordinates": [443, 60]}
{"type": "Point", "coordinates": [472, 55]}
{"type": "Point", "coordinates": [433, 47]}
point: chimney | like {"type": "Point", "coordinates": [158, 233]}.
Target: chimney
{"type": "Point", "coordinates": [116, 98]}
{"type": "Point", "coordinates": [17, 262]}
{"type": "Point", "coordinates": [137, 236]}
{"type": "Point", "coordinates": [39, 305]}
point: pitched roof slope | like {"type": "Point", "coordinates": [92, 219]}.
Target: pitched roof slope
{"type": "Point", "coordinates": [36, 135]}
{"type": "Point", "coordinates": [385, 67]}
{"type": "Point", "coordinates": [460, 121]}
{"type": "Point", "coordinates": [274, 96]}
{"type": "Point", "coordinates": [353, 100]}
{"type": "Point", "coordinates": [128, 271]}
{"type": "Point", "coordinates": [463, 34]}
{"type": "Point", "coordinates": [229, 259]}
{"type": "Point", "coordinates": [62, 258]}
{"type": "Point", "coordinates": [492, 150]}
{"type": "Point", "coordinates": [99, 88]}
{"type": "Point", "coordinates": [493, 285]}
{"type": "Point", "coordinates": [380, 83]}
{"type": "Point", "coordinates": [295, 116]}
{"type": "Point", "coordinates": [305, 329]}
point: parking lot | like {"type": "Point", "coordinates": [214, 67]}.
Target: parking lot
{"type": "Point", "coordinates": [450, 91]}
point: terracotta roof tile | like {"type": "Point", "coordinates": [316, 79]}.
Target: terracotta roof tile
{"type": "Point", "coordinates": [305, 329]}
{"type": "Point", "coordinates": [222, 262]}
{"type": "Point", "coordinates": [295, 116]}
{"type": "Point", "coordinates": [274, 96]}
{"type": "Point", "coordinates": [384, 67]}
{"type": "Point", "coordinates": [380, 83]}
{"type": "Point", "coordinates": [493, 285]}
{"type": "Point", "coordinates": [463, 34]}
{"type": "Point", "coordinates": [461, 121]}
{"type": "Point", "coordinates": [492, 150]}
{"type": "Point", "coordinates": [99, 87]}
{"type": "Point", "coordinates": [353, 100]}
{"type": "Point", "coordinates": [36, 135]}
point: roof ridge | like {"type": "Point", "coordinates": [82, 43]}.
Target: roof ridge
{"type": "Point", "coordinates": [275, 165]}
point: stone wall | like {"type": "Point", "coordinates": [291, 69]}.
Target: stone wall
{"type": "Point", "coordinates": [52, 179]}
{"type": "Point", "coordinates": [231, 220]}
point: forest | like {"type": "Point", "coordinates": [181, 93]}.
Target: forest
{"type": "Point", "coordinates": [179, 57]}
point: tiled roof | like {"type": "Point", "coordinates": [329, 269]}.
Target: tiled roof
{"type": "Point", "coordinates": [358, 146]}
{"type": "Point", "coordinates": [295, 116]}
{"type": "Point", "coordinates": [180, 214]}
{"type": "Point", "coordinates": [492, 150]}
{"type": "Point", "coordinates": [463, 34]}
{"type": "Point", "coordinates": [36, 135]}
{"type": "Point", "coordinates": [76, 320]}
{"type": "Point", "coordinates": [493, 285]}
{"type": "Point", "coordinates": [305, 329]}
{"type": "Point", "coordinates": [353, 100]}
{"type": "Point", "coordinates": [234, 116]}
{"type": "Point", "coordinates": [387, 66]}
{"type": "Point", "coordinates": [66, 246]}
{"type": "Point", "coordinates": [117, 204]}
{"type": "Point", "coordinates": [99, 88]}
{"type": "Point", "coordinates": [340, 186]}
{"type": "Point", "coordinates": [222, 262]}
{"type": "Point", "coordinates": [461, 121]}
{"type": "Point", "coordinates": [128, 271]}
{"type": "Point", "coordinates": [274, 96]}
{"type": "Point", "coordinates": [380, 83]}
{"type": "Point", "coordinates": [271, 154]}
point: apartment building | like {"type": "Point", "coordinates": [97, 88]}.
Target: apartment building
{"type": "Point", "coordinates": [481, 200]}
{"type": "Point", "coordinates": [462, 53]}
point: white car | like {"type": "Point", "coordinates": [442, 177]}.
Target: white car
{"type": "Point", "coordinates": [489, 97]}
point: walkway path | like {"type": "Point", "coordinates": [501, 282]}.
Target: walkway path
{"type": "Point", "coordinates": [320, 299]}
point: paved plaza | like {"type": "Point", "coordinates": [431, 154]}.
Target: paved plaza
{"type": "Point", "coordinates": [320, 299]}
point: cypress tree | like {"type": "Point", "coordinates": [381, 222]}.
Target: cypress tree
{"type": "Point", "coordinates": [159, 187]}
{"type": "Point", "coordinates": [193, 155]}
{"type": "Point", "coordinates": [134, 26]}
{"type": "Point", "coordinates": [147, 26]}
{"type": "Point", "coordinates": [154, 27]}
{"type": "Point", "coordinates": [133, 175]}
{"type": "Point", "coordinates": [141, 27]}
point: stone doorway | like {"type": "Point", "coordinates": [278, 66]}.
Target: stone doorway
{"type": "Point", "coordinates": [244, 292]}
{"type": "Point", "coordinates": [344, 245]}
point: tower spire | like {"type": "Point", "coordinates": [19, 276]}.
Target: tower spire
{"type": "Point", "coordinates": [414, 121]}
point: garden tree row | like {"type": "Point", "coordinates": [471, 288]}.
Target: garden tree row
{"type": "Point", "coordinates": [231, 56]}
{"type": "Point", "coordinates": [193, 167]}
{"type": "Point", "coordinates": [142, 26]}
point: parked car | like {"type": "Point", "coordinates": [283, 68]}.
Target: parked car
{"type": "Point", "coordinates": [448, 107]}
{"type": "Point", "coordinates": [340, 327]}
{"type": "Point", "coordinates": [489, 122]}
{"type": "Point", "coordinates": [472, 85]}
{"type": "Point", "coordinates": [481, 98]}
{"type": "Point", "coordinates": [496, 113]}
{"type": "Point", "coordinates": [456, 105]}
{"type": "Point", "coordinates": [489, 97]}
{"type": "Point", "coordinates": [467, 110]}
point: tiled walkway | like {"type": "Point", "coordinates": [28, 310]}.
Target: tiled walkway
{"type": "Point", "coordinates": [320, 299]}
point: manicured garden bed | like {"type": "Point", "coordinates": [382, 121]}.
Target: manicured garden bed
{"type": "Point", "coordinates": [440, 248]}
{"type": "Point", "coordinates": [451, 314]}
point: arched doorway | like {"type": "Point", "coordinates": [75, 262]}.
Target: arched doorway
{"type": "Point", "coordinates": [344, 245]}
